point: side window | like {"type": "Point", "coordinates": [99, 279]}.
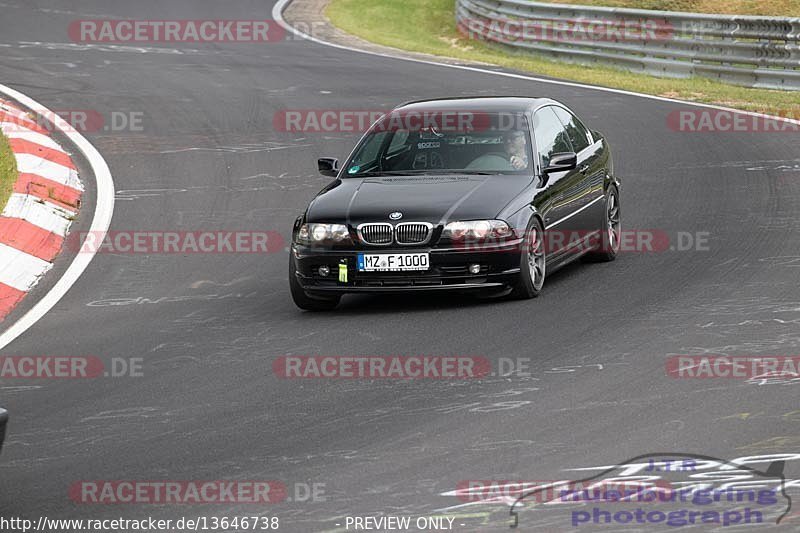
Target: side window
{"type": "Point", "coordinates": [398, 142]}
{"type": "Point", "coordinates": [578, 133]}
{"type": "Point", "coordinates": [551, 137]}
{"type": "Point", "coordinates": [367, 154]}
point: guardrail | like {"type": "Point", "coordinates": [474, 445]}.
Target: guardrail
{"type": "Point", "coordinates": [744, 50]}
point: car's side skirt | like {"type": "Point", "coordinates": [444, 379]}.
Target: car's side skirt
{"type": "Point", "coordinates": [573, 252]}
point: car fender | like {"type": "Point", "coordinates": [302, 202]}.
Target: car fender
{"type": "Point", "coordinates": [522, 219]}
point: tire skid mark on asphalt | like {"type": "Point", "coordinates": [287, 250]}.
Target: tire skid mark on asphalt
{"type": "Point", "coordinates": [138, 194]}
{"type": "Point", "coordinates": [83, 47]}
{"type": "Point", "coordinates": [141, 300]}
{"type": "Point", "coordinates": [243, 149]}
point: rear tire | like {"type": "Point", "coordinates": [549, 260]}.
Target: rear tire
{"type": "Point", "coordinates": [302, 299]}
{"type": "Point", "coordinates": [610, 230]}
{"type": "Point", "coordinates": [532, 263]}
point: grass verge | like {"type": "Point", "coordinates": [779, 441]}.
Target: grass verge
{"type": "Point", "coordinates": [428, 26]}
{"type": "Point", "coordinates": [8, 170]}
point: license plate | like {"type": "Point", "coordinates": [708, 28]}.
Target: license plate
{"type": "Point", "coordinates": [392, 262]}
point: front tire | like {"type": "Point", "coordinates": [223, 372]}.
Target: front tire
{"type": "Point", "coordinates": [302, 299]}
{"type": "Point", "coordinates": [532, 263]}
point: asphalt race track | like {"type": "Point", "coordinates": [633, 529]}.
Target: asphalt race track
{"type": "Point", "coordinates": [208, 327]}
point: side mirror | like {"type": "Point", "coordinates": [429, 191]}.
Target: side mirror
{"type": "Point", "coordinates": [561, 162]}
{"type": "Point", "coordinates": [328, 166]}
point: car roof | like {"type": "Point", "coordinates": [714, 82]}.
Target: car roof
{"type": "Point", "coordinates": [487, 104]}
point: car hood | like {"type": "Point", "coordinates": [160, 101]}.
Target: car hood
{"type": "Point", "coordinates": [434, 199]}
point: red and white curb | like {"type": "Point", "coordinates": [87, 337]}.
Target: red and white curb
{"type": "Point", "coordinates": [42, 206]}
{"type": "Point", "coordinates": [100, 221]}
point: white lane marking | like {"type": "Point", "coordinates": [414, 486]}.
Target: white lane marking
{"type": "Point", "coordinates": [46, 215]}
{"type": "Point", "coordinates": [277, 16]}
{"type": "Point", "coordinates": [103, 212]}
{"type": "Point", "coordinates": [20, 270]}
{"type": "Point", "coordinates": [15, 131]}
{"type": "Point", "coordinates": [33, 164]}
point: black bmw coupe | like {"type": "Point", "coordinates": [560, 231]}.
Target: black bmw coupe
{"type": "Point", "coordinates": [478, 194]}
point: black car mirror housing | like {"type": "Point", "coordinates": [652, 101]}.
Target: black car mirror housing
{"type": "Point", "coordinates": [328, 166]}
{"type": "Point", "coordinates": [561, 162]}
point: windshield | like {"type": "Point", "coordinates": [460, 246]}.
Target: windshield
{"type": "Point", "coordinates": [445, 142]}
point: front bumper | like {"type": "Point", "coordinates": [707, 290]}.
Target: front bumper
{"type": "Point", "coordinates": [448, 270]}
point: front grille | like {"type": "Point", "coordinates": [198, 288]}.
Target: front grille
{"type": "Point", "coordinates": [377, 234]}
{"type": "Point", "coordinates": [412, 233]}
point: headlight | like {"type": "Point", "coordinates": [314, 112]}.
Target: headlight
{"type": "Point", "coordinates": [477, 230]}
{"type": "Point", "coordinates": [323, 234]}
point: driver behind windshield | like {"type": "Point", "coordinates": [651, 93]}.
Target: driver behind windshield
{"type": "Point", "coordinates": [515, 146]}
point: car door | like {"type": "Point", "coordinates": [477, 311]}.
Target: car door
{"type": "Point", "coordinates": [565, 189]}
{"type": "Point", "coordinates": [591, 166]}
